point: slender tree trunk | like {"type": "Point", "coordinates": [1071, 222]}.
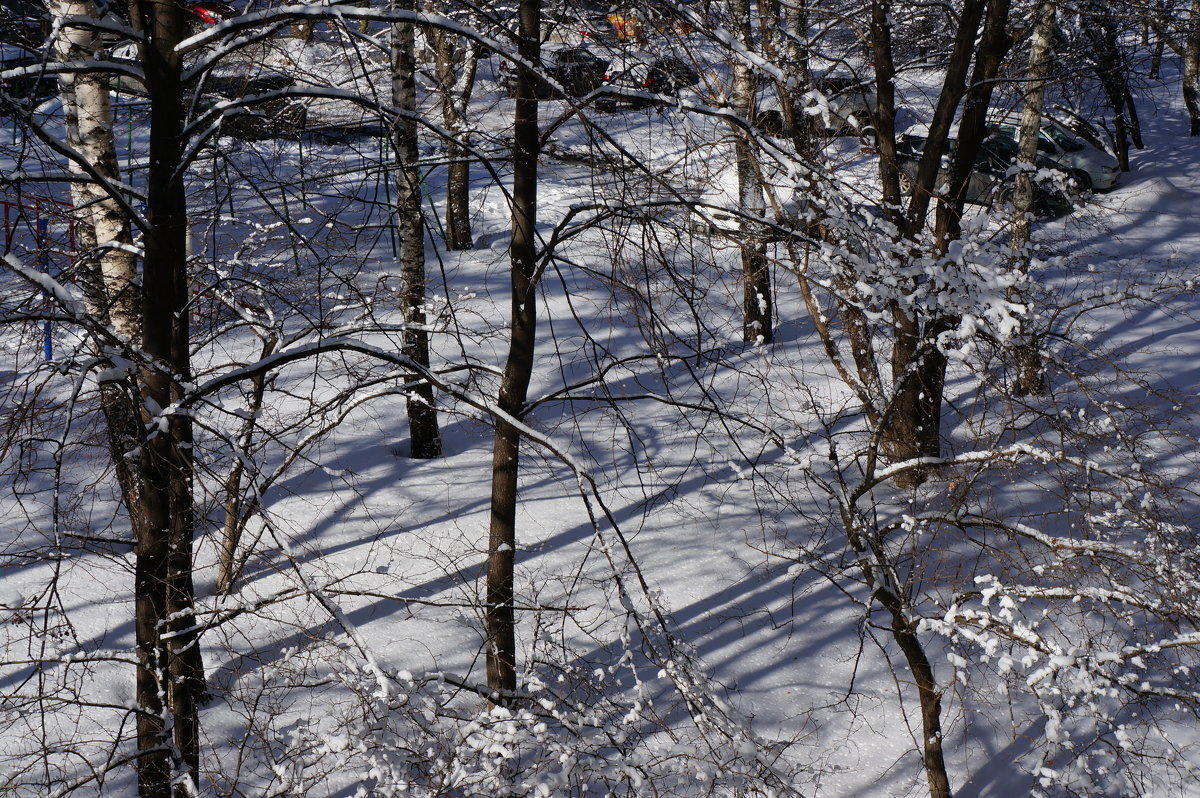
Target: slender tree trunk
{"type": "Point", "coordinates": [458, 196]}
{"type": "Point", "coordinates": [425, 437]}
{"type": "Point", "coordinates": [1135, 123]}
{"type": "Point", "coordinates": [954, 88]}
{"type": "Point", "coordinates": [456, 67]}
{"type": "Point", "coordinates": [501, 652]}
{"type": "Point", "coordinates": [757, 311]}
{"type": "Point", "coordinates": [904, 633]}
{"type": "Point", "coordinates": [1109, 65]}
{"type": "Point", "coordinates": [1191, 70]}
{"type": "Point", "coordinates": [993, 45]}
{"type": "Point", "coordinates": [231, 530]}
{"type": "Point", "coordinates": [169, 665]}
{"type": "Point", "coordinates": [883, 116]}
{"type": "Point", "coordinates": [1030, 372]}
{"type": "Point", "coordinates": [102, 234]}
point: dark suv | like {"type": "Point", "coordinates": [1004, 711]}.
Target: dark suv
{"type": "Point", "coordinates": [577, 69]}
{"type": "Point", "coordinates": [666, 75]}
{"type": "Point", "coordinates": [990, 182]}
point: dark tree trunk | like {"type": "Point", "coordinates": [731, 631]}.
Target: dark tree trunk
{"type": "Point", "coordinates": [929, 378]}
{"type": "Point", "coordinates": [972, 129]}
{"type": "Point", "coordinates": [501, 652]}
{"type": "Point", "coordinates": [1108, 63]}
{"type": "Point", "coordinates": [911, 426]}
{"type": "Point", "coordinates": [904, 633]}
{"type": "Point", "coordinates": [1135, 124]}
{"type": "Point", "coordinates": [424, 434]}
{"type": "Point", "coordinates": [1191, 70]}
{"type": "Point", "coordinates": [458, 195]}
{"type": "Point", "coordinates": [757, 311]}
{"type": "Point", "coordinates": [168, 665]}
{"type": "Point", "coordinates": [456, 67]}
{"type": "Point", "coordinates": [883, 116]}
{"type": "Point", "coordinates": [954, 88]}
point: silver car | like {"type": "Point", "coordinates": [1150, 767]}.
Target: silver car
{"type": "Point", "coordinates": [1089, 167]}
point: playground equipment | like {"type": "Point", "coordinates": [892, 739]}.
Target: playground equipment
{"type": "Point", "coordinates": [41, 230]}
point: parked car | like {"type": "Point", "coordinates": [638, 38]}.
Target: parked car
{"type": "Point", "coordinates": [210, 12]}
{"type": "Point", "coordinates": [1089, 167]}
{"type": "Point", "coordinates": [990, 183]}
{"type": "Point", "coordinates": [849, 103]}
{"type": "Point", "coordinates": [636, 73]}
{"type": "Point", "coordinates": [33, 86]}
{"type": "Point", "coordinates": [577, 69]}
{"type": "Point", "coordinates": [843, 107]}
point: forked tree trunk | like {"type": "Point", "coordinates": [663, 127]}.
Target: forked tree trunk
{"type": "Point", "coordinates": [425, 437]}
{"type": "Point", "coordinates": [168, 645]}
{"type": "Point", "coordinates": [456, 68]}
{"type": "Point", "coordinates": [501, 655]}
{"type": "Point", "coordinates": [911, 426]}
{"type": "Point", "coordinates": [928, 368]}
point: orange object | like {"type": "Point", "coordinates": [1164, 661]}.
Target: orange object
{"type": "Point", "coordinates": [627, 28]}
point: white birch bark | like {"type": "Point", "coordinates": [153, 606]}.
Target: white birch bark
{"type": "Point", "coordinates": [102, 232]}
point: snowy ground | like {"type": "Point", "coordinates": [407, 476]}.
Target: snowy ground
{"type": "Point", "coordinates": [369, 560]}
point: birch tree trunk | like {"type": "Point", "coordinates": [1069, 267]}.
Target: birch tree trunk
{"type": "Point", "coordinates": [424, 436]}
{"type": "Point", "coordinates": [102, 232]}
{"type": "Point", "coordinates": [757, 311]}
{"type": "Point", "coordinates": [1030, 377]}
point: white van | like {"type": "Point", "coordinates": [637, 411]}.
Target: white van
{"type": "Point", "coordinates": [1089, 167]}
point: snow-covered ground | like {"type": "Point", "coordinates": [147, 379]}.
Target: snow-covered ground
{"type": "Point", "coordinates": [339, 662]}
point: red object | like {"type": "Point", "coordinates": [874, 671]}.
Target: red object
{"type": "Point", "coordinates": [210, 12]}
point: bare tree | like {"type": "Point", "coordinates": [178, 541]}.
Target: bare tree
{"type": "Point", "coordinates": [758, 318]}
{"type": "Point", "coordinates": [424, 434]}
{"type": "Point", "coordinates": [1180, 30]}
{"type": "Point", "coordinates": [456, 63]}
{"type": "Point", "coordinates": [1030, 377]}
{"type": "Point", "coordinates": [518, 367]}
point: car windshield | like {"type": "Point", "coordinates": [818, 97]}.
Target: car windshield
{"type": "Point", "coordinates": [570, 55]}
{"type": "Point", "coordinates": [1061, 137]}
{"type": "Point", "coordinates": [1002, 147]}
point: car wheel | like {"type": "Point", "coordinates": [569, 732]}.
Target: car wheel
{"type": "Point", "coordinates": [1003, 196]}
{"type": "Point", "coordinates": [906, 184]}
{"type": "Point", "coordinates": [1083, 181]}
